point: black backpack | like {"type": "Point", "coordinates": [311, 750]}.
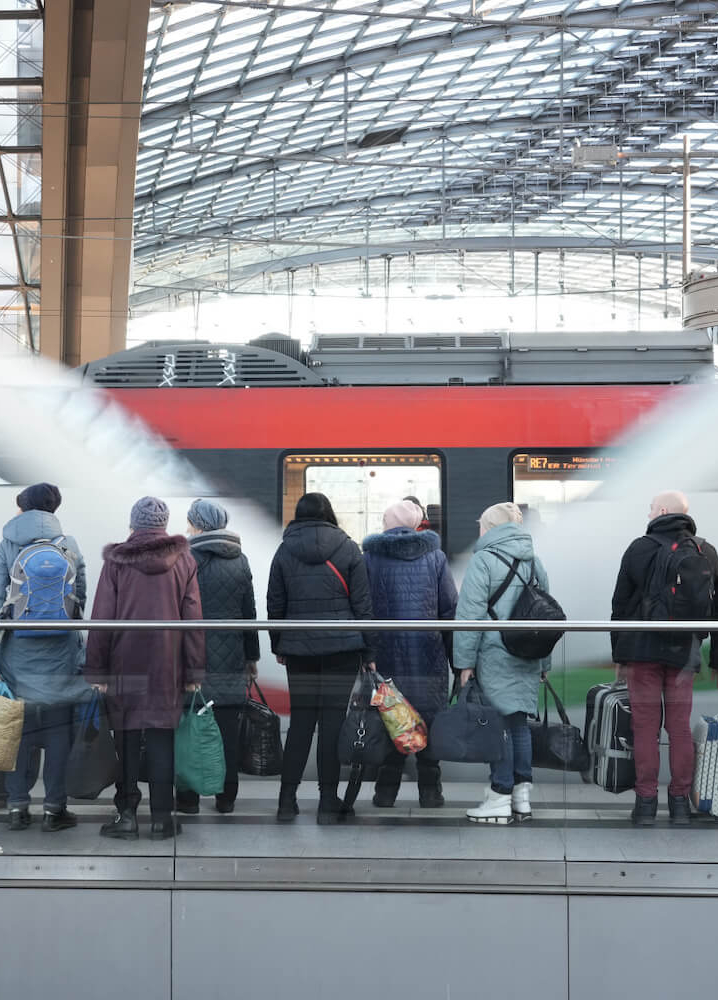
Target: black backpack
{"type": "Point", "coordinates": [681, 586]}
{"type": "Point", "coordinates": [533, 604]}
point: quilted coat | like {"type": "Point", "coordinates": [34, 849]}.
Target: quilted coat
{"type": "Point", "coordinates": [410, 578]}
{"type": "Point", "coordinates": [150, 576]}
{"type": "Point", "coordinates": [41, 669]}
{"type": "Point", "coordinates": [302, 585]}
{"type": "Point", "coordinates": [225, 586]}
{"type": "Point", "coordinates": [509, 682]}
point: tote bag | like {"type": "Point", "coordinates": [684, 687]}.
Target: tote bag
{"type": "Point", "coordinates": [260, 741]}
{"type": "Point", "coordinates": [12, 717]}
{"type": "Point", "coordinates": [92, 765]}
{"type": "Point", "coordinates": [199, 751]}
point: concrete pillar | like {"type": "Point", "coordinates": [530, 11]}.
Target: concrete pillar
{"type": "Point", "coordinates": [94, 55]}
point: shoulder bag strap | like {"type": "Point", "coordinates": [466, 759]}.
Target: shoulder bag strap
{"type": "Point", "coordinates": [557, 701]}
{"type": "Point", "coordinates": [499, 593]}
{"type": "Point", "coordinates": [252, 683]}
{"type": "Point", "coordinates": [341, 579]}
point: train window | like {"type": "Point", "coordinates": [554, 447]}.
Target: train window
{"type": "Point", "coordinates": [362, 486]}
{"type": "Point", "coordinates": [543, 481]}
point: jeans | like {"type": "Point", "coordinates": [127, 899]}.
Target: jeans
{"type": "Point", "coordinates": [159, 749]}
{"type": "Point", "coordinates": [648, 683]}
{"type": "Point", "coordinates": [319, 689]}
{"type": "Point", "coordinates": [515, 765]}
{"type": "Point", "coordinates": [50, 728]}
{"type": "Point", "coordinates": [227, 718]}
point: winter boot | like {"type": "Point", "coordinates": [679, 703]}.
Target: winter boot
{"type": "Point", "coordinates": [331, 808]}
{"type": "Point", "coordinates": [384, 796]}
{"type": "Point", "coordinates": [287, 808]}
{"type": "Point", "coordinates": [165, 829]}
{"type": "Point", "coordinates": [187, 802]}
{"type": "Point", "coordinates": [679, 809]}
{"type": "Point", "coordinates": [53, 822]}
{"type": "Point", "coordinates": [429, 780]}
{"type": "Point", "coordinates": [496, 808]}
{"type": "Point", "coordinates": [430, 796]}
{"type": "Point", "coordinates": [521, 801]}
{"type": "Point", "coordinates": [19, 819]}
{"type": "Point", "coordinates": [644, 811]}
{"type": "Point", "coordinates": [122, 827]}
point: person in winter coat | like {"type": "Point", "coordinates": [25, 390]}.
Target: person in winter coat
{"type": "Point", "coordinates": [152, 575]}
{"type": "Point", "coordinates": [225, 586]}
{"type": "Point", "coordinates": [659, 666]}
{"type": "Point", "coordinates": [410, 578]}
{"type": "Point", "coordinates": [317, 572]}
{"type": "Point", "coordinates": [509, 682]}
{"type": "Point", "coordinates": [43, 671]}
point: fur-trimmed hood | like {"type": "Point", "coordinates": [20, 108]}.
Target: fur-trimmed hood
{"type": "Point", "coordinates": [402, 543]}
{"type": "Point", "coordinates": [150, 552]}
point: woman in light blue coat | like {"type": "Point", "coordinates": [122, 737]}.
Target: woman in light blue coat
{"type": "Point", "coordinates": [510, 683]}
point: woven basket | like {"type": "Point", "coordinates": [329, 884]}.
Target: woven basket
{"type": "Point", "coordinates": [12, 715]}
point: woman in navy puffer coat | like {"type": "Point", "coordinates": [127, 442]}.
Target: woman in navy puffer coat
{"type": "Point", "coordinates": [410, 578]}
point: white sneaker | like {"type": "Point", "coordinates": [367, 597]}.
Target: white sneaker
{"type": "Point", "coordinates": [496, 808]}
{"type": "Point", "coordinates": [520, 801]}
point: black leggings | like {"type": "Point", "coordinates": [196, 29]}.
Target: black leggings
{"type": "Point", "coordinates": [319, 689]}
{"type": "Point", "coordinates": [159, 750]}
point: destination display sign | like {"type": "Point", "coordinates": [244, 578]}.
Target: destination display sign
{"type": "Point", "coordinates": [545, 465]}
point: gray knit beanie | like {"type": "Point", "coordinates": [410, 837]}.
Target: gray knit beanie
{"type": "Point", "coordinates": [207, 516]}
{"type": "Point", "coordinates": [148, 513]}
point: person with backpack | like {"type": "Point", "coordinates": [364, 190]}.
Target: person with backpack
{"type": "Point", "coordinates": [151, 576]}
{"type": "Point", "coordinates": [317, 573]}
{"type": "Point", "coordinates": [502, 565]}
{"type": "Point", "coordinates": [668, 573]}
{"type": "Point", "coordinates": [410, 578]}
{"type": "Point", "coordinates": [42, 574]}
{"type": "Point", "coordinates": [225, 585]}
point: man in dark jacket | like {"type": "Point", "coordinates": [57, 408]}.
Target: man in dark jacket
{"type": "Point", "coordinates": [225, 586]}
{"type": "Point", "coordinates": [658, 665]}
{"type": "Point", "coordinates": [317, 573]}
{"type": "Point", "coordinates": [42, 670]}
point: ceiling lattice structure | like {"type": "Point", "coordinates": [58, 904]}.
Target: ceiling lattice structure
{"type": "Point", "coordinates": [283, 135]}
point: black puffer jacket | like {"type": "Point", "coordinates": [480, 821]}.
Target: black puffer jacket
{"type": "Point", "coordinates": [225, 585]}
{"type": "Point", "coordinates": [302, 585]}
{"type": "Point", "coordinates": [675, 649]}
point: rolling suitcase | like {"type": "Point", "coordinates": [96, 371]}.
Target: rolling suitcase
{"type": "Point", "coordinates": [704, 793]}
{"type": "Point", "coordinates": [608, 734]}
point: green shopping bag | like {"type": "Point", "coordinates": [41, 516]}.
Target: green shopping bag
{"type": "Point", "coordinates": [199, 752]}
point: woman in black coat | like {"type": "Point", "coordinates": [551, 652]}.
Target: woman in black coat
{"type": "Point", "coordinates": [225, 584]}
{"type": "Point", "coordinates": [317, 572]}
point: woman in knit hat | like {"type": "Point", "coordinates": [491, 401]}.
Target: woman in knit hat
{"type": "Point", "coordinates": [509, 682]}
{"type": "Point", "coordinates": [410, 579]}
{"type": "Point", "coordinates": [151, 576]}
{"type": "Point", "coordinates": [225, 585]}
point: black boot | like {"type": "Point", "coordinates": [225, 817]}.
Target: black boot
{"type": "Point", "coordinates": [679, 809]}
{"type": "Point", "coordinates": [385, 796]}
{"type": "Point", "coordinates": [430, 796]}
{"type": "Point", "coordinates": [287, 808]}
{"type": "Point", "coordinates": [19, 819]}
{"type": "Point", "coordinates": [644, 811]}
{"type": "Point", "coordinates": [122, 827]}
{"type": "Point", "coordinates": [53, 822]}
{"type": "Point", "coordinates": [187, 802]}
{"type": "Point", "coordinates": [429, 779]}
{"type": "Point", "coordinates": [165, 829]}
{"type": "Point", "coordinates": [331, 809]}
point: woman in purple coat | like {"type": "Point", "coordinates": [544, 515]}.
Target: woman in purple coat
{"type": "Point", "coordinates": [410, 578]}
{"type": "Point", "coordinates": [151, 576]}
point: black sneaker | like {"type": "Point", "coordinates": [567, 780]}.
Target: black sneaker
{"type": "Point", "coordinates": [122, 827]}
{"type": "Point", "coordinates": [53, 822]}
{"type": "Point", "coordinates": [19, 819]}
{"type": "Point", "coordinates": [679, 809]}
{"type": "Point", "coordinates": [644, 811]}
{"type": "Point", "coordinates": [224, 806]}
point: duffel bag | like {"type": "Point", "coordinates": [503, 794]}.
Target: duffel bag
{"type": "Point", "coordinates": [558, 746]}
{"type": "Point", "coordinates": [363, 738]}
{"type": "Point", "coordinates": [470, 731]}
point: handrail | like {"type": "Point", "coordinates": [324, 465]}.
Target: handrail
{"type": "Point", "coordinates": [355, 624]}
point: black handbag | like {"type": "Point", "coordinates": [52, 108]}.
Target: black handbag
{"type": "Point", "coordinates": [92, 765]}
{"type": "Point", "coordinates": [558, 746]}
{"type": "Point", "coordinates": [471, 731]}
{"type": "Point", "coordinates": [363, 740]}
{"type": "Point", "coordinates": [260, 741]}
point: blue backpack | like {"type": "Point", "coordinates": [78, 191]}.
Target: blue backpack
{"type": "Point", "coordinates": [42, 586]}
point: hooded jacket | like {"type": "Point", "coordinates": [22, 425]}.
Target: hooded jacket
{"type": "Point", "coordinates": [225, 586]}
{"type": "Point", "coordinates": [674, 649]}
{"type": "Point", "coordinates": [509, 682]}
{"type": "Point", "coordinates": [302, 585]}
{"type": "Point", "coordinates": [150, 576]}
{"type": "Point", "coordinates": [41, 669]}
{"type": "Point", "coordinates": [409, 578]}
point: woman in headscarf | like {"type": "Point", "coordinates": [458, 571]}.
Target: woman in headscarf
{"type": "Point", "coordinates": [509, 682]}
{"type": "Point", "coordinates": [225, 586]}
{"type": "Point", "coordinates": [410, 579]}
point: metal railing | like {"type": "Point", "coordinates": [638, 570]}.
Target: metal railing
{"type": "Point", "coordinates": [357, 624]}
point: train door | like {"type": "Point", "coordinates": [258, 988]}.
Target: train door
{"type": "Point", "coordinates": [361, 486]}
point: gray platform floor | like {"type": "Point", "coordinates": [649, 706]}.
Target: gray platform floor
{"type": "Point", "coordinates": [572, 822]}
